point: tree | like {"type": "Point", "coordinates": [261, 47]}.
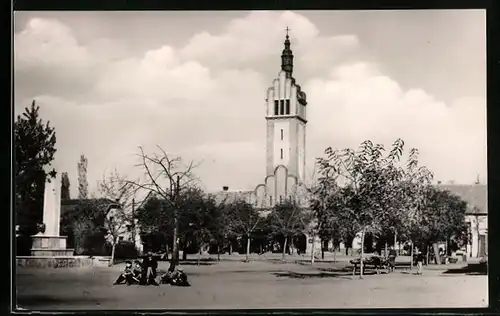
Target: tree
{"type": "Point", "coordinates": [415, 188]}
{"type": "Point", "coordinates": [34, 143]}
{"type": "Point", "coordinates": [83, 190]}
{"type": "Point", "coordinates": [166, 177]}
{"type": "Point", "coordinates": [326, 203]}
{"type": "Point", "coordinates": [65, 193]}
{"type": "Point", "coordinates": [288, 220]}
{"type": "Point", "coordinates": [243, 220]}
{"type": "Point", "coordinates": [118, 217]}
{"type": "Point", "coordinates": [443, 218]}
{"type": "Point", "coordinates": [370, 184]}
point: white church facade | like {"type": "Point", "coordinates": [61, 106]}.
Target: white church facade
{"type": "Point", "coordinates": [286, 123]}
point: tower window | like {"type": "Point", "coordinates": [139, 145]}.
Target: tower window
{"type": "Point", "coordinates": [281, 153]}
{"type": "Point", "coordinates": [287, 106]}
{"type": "Point", "coordinates": [282, 107]}
{"type": "Point", "coordinates": [276, 107]}
{"type": "Point", "coordinates": [282, 134]}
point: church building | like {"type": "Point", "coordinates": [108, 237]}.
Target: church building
{"type": "Point", "coordinates": [286, 122]}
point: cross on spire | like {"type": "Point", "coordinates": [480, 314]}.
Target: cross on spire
{"type": "Point", "coordinates": [287, 29]}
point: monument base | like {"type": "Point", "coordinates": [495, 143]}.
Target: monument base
{"type": "Point", "coordinates": [51, 252]}
{"type": "Point", "coordinates": [50, 246]}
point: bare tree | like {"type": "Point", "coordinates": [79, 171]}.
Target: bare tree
{"type": "Point", "coordinates": [119, 217]}
{"type": "Point", "coordinates": [166, 176]}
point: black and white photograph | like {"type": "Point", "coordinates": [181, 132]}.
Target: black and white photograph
{"type": "Point", "coordinates": [204, 160]}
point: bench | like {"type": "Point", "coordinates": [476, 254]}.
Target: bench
{"type": "Point", "coordinates": [373, 262]}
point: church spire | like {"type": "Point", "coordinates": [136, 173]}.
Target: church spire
{"type": "Point", "coordinates": [287, 56]}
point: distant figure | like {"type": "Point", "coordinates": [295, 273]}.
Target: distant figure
{"type": "Point", "coordinates": [391, 260]}
{"type": "Point", "coordinates": [420, 263]}
{"type": "Point", "coordinates": [127, 275]}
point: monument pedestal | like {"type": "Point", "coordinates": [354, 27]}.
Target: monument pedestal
{"type": "Point", "coordinates": [50, 246]}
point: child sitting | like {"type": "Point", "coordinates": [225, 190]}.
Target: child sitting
{"type": "Point", "coordinates": [175, 277]}
{"type": "Point", "coordinates": [137, 271]}
{"type": "Point", "coordinates": [127, 275]}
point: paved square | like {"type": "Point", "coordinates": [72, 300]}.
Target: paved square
{"type": "Point", "coordinates": [257, 284]}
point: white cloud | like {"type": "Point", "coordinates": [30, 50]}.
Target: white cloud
{"type": "Point", "coordinates": [206, 100]}
{"type": "Point", "coordinates": [359, 103]}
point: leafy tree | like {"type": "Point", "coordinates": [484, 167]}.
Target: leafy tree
{"type": "Point", "coordinates": [65, 193]}
{"type": "Point", "coordinates": [288, 220]}
{"type": "Point", "coordinates": [442, 219]}
{"type": "Point", "coordinates": [326, 203]}
{"type": "Point", "coordinates": [415, 187]}
{"type": "Point", "coordinates": [34, 143]}
{"type": "Point", "coordinates": [83, 185]}
{"type": "Point", "coordinates": [195, 218]}
{"type": "Point", "coordinates": [370, 184]}
{"type": "Point", "coordinates": [242, 220]}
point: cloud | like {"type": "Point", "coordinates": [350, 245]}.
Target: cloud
{"type": "Point", "coordinates": [205, 100]}
{"type": "Point", "coordinates": [358, 102]}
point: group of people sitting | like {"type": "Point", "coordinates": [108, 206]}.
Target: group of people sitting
{"type": "Point", "coordinates": [144, 273]}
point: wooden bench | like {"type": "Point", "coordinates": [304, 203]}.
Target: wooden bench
{"type": "Point", "coordinates": [373, 262]}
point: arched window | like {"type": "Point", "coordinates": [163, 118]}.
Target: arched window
{"type": "Point", "coordinates": [281, 153]}
{"type": "Point", "coordinates": [276, 102]}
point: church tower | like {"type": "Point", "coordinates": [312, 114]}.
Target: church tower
{"type": "Point", "coordinates": [286, 132]}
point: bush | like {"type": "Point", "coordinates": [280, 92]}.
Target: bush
{"type": "Point", "coordinates": [126, 250]}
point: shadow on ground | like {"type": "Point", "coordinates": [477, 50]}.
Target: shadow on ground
{"type": "Point", "coordinates": [470, 269]}
{"type": "Point", "coordinates": [40, 300]}
{"type": "Point", "coordinates": [342, 273]}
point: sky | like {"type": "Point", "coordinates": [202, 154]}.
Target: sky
{"type": "Point", "coordinates": [195, 84]}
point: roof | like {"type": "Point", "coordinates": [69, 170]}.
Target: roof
{"type": "Point", "coordinates": [72, 204]}
{"type": "Point", "coordinates": [476, 196]}
{"type": "Point", "coordinates": [232, 196]}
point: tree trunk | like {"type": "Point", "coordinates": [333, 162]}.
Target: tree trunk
{"type": "Point", "coordinates": [334, 253]}
{"type": "Point", "coordinates": [427, 256]}
{"type": "Point", "coordinates": [284, 249]}
{"type": "Point", "coordinates": [361, 266]}
{"type": "Point", "coordinates": [248, 248]}
{"type": "Point", "coordinates": [312, 249]}
{"type": "Point", "coordinates": [260, 246]}
{"type": "Point", "coordinates": [230, 247]}
{"type": "Point", "coordinates": [411, 255]}
{"type": "Point", "coordinates": [199, 256]}
{"type": "Point", "coordinates": [477, 237]}
{"type": "Point", "coordinates": [218, 252]}
{"type": "Point", "coordinates": [112, 260]}
{"type": "Point", "coordinates": [395, 239]}
{"type": "Point", "coordinates": [436, 253]}
{"type": "Point", "coordinates": [323, 250]}
{"type": "Point", "coordinates": [175, 247]}
{"type": "Point", "coordinates": [385, 251]}
{"type": "Point", "coordinates": [184, 253]}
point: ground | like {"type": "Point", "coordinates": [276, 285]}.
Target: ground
{"type": "Point", "coordinates": [261, 283]}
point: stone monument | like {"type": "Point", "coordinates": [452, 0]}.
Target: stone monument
{"type": "Point", "coordinates": [48, 242]}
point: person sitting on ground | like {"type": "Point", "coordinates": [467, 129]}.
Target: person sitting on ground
{"type": "Point", "coordinates": [175, 276]}
{"type": "Point", "coordinates": [127, 275]}
{"type": "Point", "coordinates": [137, 269]}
